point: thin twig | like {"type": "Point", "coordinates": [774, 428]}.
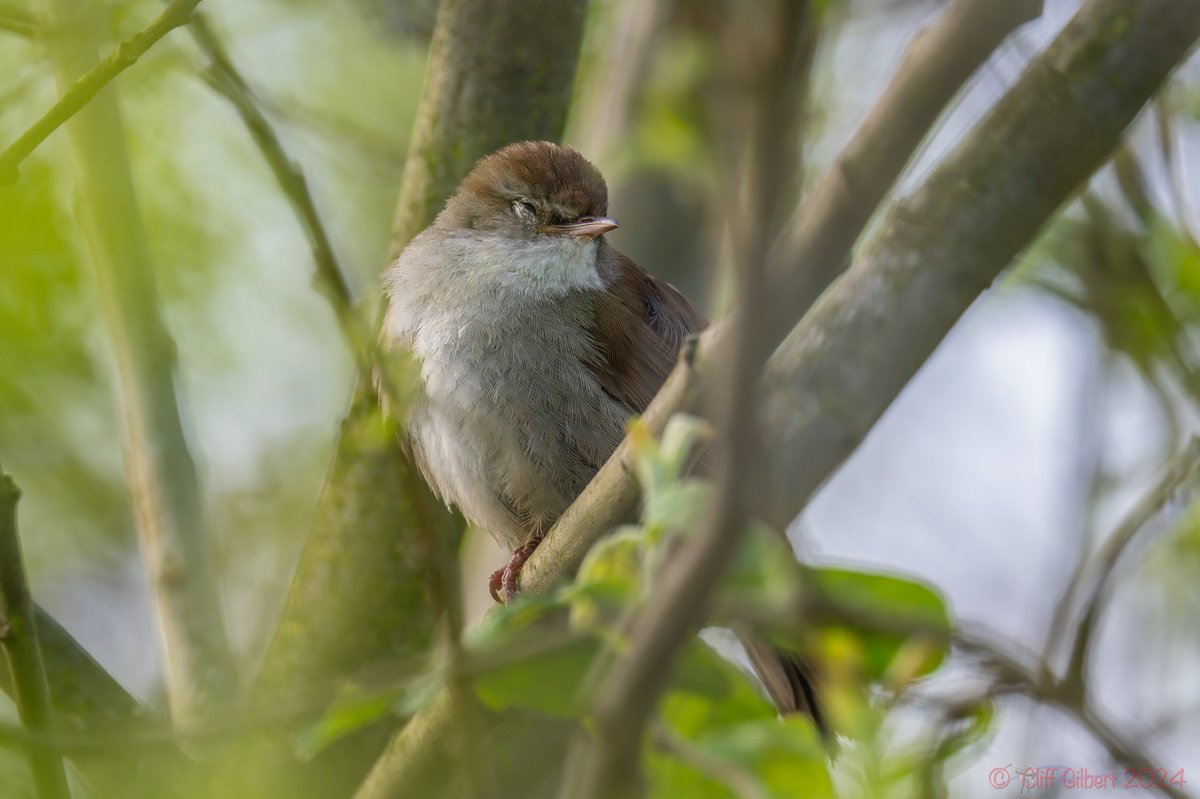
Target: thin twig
{"type": "Point", "coordinates": [1091, 465]}
{"type": "Point", "coordinates": [1014, 677]}
{"type": "Point", "coordinates": [18, 638]}
{"type": "Point", "coordinates": [1182, 470]}
{"type": "Point", "coordinates": [85, 88]}
{"type": "Point", "coordinates": [224, 77]}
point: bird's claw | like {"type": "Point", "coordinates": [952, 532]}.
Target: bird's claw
{"type": "Point", "coordinates": [503, 582]}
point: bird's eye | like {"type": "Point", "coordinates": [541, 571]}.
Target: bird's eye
{"type": "Point", "coordinates": [524, 209]}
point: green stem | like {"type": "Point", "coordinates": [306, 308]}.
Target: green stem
{"type": "Point", "coordinates": [19, 640]}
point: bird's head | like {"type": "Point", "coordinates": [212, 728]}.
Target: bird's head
{"type": "Point", "coordinates": [530, 190]}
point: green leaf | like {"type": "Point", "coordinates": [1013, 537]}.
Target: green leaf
{"type": "Point", "coordinates": [677, 506]}
{"type": "Point", "coordinates": [549, 682]}
{"type": "Point", "coordinates": [609, 580]}
{"type": "Point", "coordinates": [499, 627]}
{"type": "Point", "coordinates": [708, 692]}
{"type": "Point", "coordinates": [661, 465]}
{"type": "Point", "coordinates": [894, 602]}
{"type": "Point", "coordinates": [769, 757]}
{"type": "Point", "coordinates": [355, 709]}
{"type": "Point", "coordinates": [785, 755]}
{"type": "Point", "coordinates": [764, 573]}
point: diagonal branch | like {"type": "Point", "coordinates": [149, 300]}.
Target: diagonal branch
{"type": "Point", "coordinates": [82, 90]}
{"type": "Point", "coordinates": [815, 247]}
{"type": "Point", "coordinates": [809, 255]}
{"type": "Point", "coordinates": [19, 640]}
{"type": "Point", "coordinates": [223, 76]}
{"type": "Point", "coordinates": [939, 248]}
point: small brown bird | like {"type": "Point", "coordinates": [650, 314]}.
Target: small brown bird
{"type": "Point", "coordinates": [537, 341]}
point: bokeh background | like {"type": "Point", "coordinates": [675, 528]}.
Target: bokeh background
{"type": "Point", "coordinates": [1015, 450]}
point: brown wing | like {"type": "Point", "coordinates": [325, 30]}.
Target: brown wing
{"type": "Point", "coordinates": [639, 323]}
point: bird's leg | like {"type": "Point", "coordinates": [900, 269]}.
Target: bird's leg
{"type": "Point", "coordinates": [503, 582]}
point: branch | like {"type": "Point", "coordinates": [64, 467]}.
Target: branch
{"type": "Point", "coordinates": [816, 246]}
{"type": "Point", "coordinates": [809, 255]}
{"type": "Point", "coordinates": [224, 77]}
{"type": "Point", "coordinates": [84, 695]}
{"type": "Point", "coordinates": [764, 66]}
{"type": "Point", "coordinates": [627, 58]}
{"type": "Point", "coordinates": [162, 476]}
{"type": "Point", "coordinates": [1016, 678]}
{"type": "Point", "coordinates": [85, 88]}
{"type": "Point", "coordinates": [938, 249]}
{"type": "Point", "coordinates": [86, 700]}
{"type": "Point", "coordinates": [19, 639]}
{"type": "Point", "coordinates": [1180, 473]}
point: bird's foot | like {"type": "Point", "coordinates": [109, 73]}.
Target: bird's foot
{"type": "Point", "coordinates": [503, 582]}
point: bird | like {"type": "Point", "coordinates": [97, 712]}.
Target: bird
{"type": "Point", "coordinates": [536, 342]}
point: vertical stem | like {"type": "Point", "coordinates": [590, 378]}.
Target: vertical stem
{"type": "Point", "coordinates": [766, 60]}
{"type": "Point", "coordinates": [18, 639]}
{"type": "Point", "coordinates": [162, 476]}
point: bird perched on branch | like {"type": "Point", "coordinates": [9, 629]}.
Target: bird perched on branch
{"type": "Point", "coordinates": [536, 341]}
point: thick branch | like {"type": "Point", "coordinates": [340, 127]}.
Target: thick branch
{"type": "Point", "coordinates": [19, 640]}
{"type": "Point", "coordinates": [497, 73]}
{"type": "Point", "coordinates": [815, 248]}
{"type": "Point", "coordinates": [161, 473]}
{"type": "Point", "coordinates": [80, 91]}
{"type": "Point", "coordinates": [938, 249]}
{"type": "Point", "coordinates": [810, 254]}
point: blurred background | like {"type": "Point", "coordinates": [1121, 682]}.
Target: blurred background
{"type": "Point", "coordinates": [1016, 450]}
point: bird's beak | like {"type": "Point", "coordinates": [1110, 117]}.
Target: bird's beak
{"type": "Point", "coordinates": [588, 227]}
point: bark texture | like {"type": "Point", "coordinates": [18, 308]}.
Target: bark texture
{"type": "Point", "coordinates": [498, 72]}
{"type": "Point", "coordinates": [937, 250]}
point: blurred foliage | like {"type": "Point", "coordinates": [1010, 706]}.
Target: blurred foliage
{"type": "Point", "coordinates": [716, 735]}
{"type": "Point", "coordinates": [261, 362]}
